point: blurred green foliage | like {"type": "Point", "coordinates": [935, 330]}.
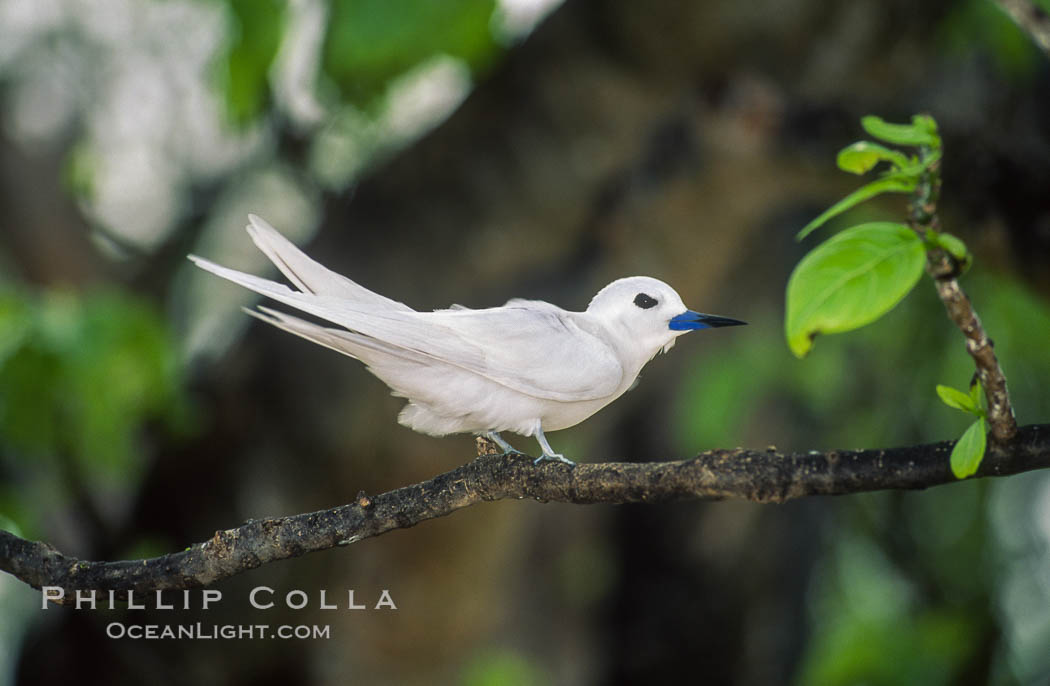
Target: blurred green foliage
{"type": "Point", "coordinates": [371, 42]}
{"type": "Point", "coordinates": [983, 24]}
{"type": "Point", "coordinates": [870, 629]}
{"type": "Point", "coordinates": [368, 44]}
{"type": "Point", "coordinates": [253, 43]}
{"type": "Point", "coordinates": [905, 593]}
{"type": "Point", "coordinates": [78, 171]}
{"type": "Point", "coordinates": [501, 668]}
{"type": "Point", "coordinates": [80, 375]}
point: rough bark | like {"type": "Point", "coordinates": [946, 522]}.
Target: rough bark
{"type": "Point", "coordinates": [768, 476]}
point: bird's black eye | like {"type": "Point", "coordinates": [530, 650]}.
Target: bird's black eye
{"type": "Point", "coordinates": [644, 301]}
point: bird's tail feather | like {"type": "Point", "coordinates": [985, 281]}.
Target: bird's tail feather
{"type": "Point", "coordinates": [262, 286]}
{"type": "Point", "coordinates": [364, 348]}
{"type": "Point", "coordinates": [327, 307]}
{"type": "Point", "coordinates": [306, 274]}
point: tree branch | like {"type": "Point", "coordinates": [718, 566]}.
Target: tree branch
{"type": "Point", "coordinates": [760, 476]}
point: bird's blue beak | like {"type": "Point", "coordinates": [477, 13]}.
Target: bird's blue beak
{"type": "Point", "coordinates": [689, 320]}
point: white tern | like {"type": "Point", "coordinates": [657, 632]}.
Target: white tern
{"type": "Point", "coordinates": [526, 367]}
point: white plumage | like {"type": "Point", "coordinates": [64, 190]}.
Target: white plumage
{"type": "Point", "coordinates": [525, 367]}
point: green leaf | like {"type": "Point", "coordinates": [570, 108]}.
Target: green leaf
{"type": "Point", "coordinates": [953, 246]}
{"type": "Point", "coordinates": [851, 280]}
{"type": "Point", "coordinates": [926, 123]}
{"type": "Point", "coordinates": [889, 184]}
{"type": "Point", "coordinates": [975, 393]}
{"type": "Point", "coordinates": [956, 399]}
{"type": "Point", "coordinates": [861, 156]}
{"type": "Point", "coordinates": [969, 450]}
{"type": "Point", "coordinates": [917, 133]}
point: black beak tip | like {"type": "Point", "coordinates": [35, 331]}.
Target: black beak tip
{"type": "Point", "coordinates": [717, 322]}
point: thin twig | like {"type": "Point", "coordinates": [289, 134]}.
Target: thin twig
{"type": "Point", "coordinates": [945, 270]}
{"type": "Point", "coordinates": [1001, 419]}
{"type": "Point", "coordinates": [760, 476]}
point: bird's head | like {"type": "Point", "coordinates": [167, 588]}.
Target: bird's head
{"type": "Point", "coordinates": [650, 312]}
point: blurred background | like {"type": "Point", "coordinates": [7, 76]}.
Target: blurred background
{"type": "Point", "coordinates": [470, 151]}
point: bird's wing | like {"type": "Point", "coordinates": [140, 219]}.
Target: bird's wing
{"type": "Point", "coordinates": [308, 275]}
{"type": "Point", "coordinates": [533, 348]}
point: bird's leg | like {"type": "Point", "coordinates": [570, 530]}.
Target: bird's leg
{"type": "Point", "coordinates": [548, 451]}
{"type": "Point", "coordinates": [507, 448]}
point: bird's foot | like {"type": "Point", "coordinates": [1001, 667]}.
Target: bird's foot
{"type": "Point", "coordinates": [507, 448]}
{"type": "Point", "coordinates": [553, 457]}
{"type": "Point", "coordinates": [548, 453]}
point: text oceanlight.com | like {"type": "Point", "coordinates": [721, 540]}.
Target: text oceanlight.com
{"type": "Point", "coordinates": [202, 631]}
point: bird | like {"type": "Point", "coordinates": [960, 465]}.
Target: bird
{"type": "Point", "coordinates": [526, 367]}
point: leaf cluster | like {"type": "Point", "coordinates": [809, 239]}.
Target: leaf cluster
{"type": "Point", "coordinates": [861, 273]}
{"type": "Point", "coordinates": [969, 450]}
{"type": "Point", "coordinates": [857, 276]}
